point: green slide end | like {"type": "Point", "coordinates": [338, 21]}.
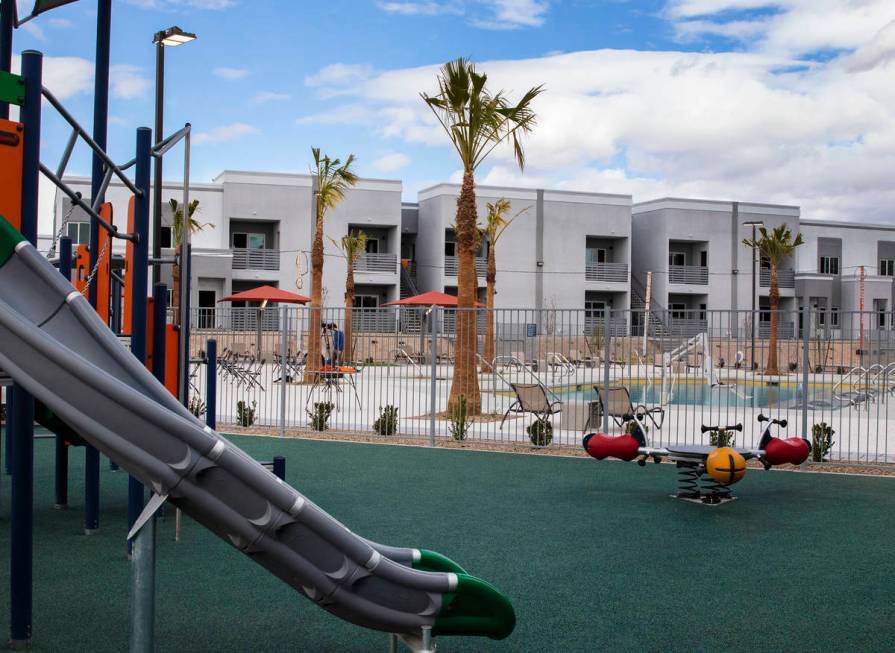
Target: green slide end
{"type": "Point", "coordinates": [432, 561]}
{"type": "Point", "coordinates": [9, 238]}
{"type": "Point", "coordinates": [50, 421]}
{"type": "Point", "coordinates": [475, 608]}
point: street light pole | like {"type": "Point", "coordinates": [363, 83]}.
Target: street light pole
{"type": "Point", "coordinates": [171, 37]}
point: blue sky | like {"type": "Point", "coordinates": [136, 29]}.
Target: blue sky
{"type": "Point", "coordinates": [763, 100]}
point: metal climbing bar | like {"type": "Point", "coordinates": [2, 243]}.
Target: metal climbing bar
{"type": "Point", "coordinates": [161, 148]}
{"type": "Point", "coordinates": [87, 139]}
{"type": "Point", "coordinates": [76, 199]}
{"type": "Point", "coordinates": [66, 155]}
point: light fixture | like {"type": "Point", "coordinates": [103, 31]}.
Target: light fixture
{"type": "Point", "coordinates": [173, 36]}
{"type": "Point", "coordinates": [753, 223]}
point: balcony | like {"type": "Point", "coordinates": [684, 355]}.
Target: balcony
{"type": "Point", "coordinates": [611, 272]}
{"type": "Point", "coordinates": [686, 327]}
{"type": "Point", "coordinates": [785, 278]}
{"type": "Point", "coordinates": [256, 259]}
{"type": "Point", "coordinates": [451, 265]}
{"type": "Point", "coordinates": [690, 275]}
{"type": "Point", "coordinates": [387, 263]}
{"type": "Point", "coordinates": [785, 330]}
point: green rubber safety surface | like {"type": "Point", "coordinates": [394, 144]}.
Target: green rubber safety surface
{"type": "Point", "coordinates": [593, 555]}
{"type": "Point", "coordinates": [12, 89]}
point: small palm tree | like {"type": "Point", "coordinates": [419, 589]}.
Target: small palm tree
{"type": "Point", "coordinates": [496, 224]}
{"type": "Point", "coordinates": [775, 246]}
{"type": "Point", "coordinates": [332, 179]}
{"type": "Point", "coordinates": [177, 235]}
{"type": "Point", "coordinates": [353, 246]}
{"type": "Point", "coordinates": [476, 121]}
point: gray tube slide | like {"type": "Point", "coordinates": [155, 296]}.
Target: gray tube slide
{"type": "Point", "coordinates": [54, 345]}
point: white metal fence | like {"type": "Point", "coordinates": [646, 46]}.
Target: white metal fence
{"type": "Point", "coordinates": [842, 379]}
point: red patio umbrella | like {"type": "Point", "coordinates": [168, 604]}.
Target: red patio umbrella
{"type": "Point", "coordinates": [265, 294]}
{"type": "Point", "coordinates": [431, 298]}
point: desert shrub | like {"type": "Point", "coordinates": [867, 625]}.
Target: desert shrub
{"type": "Point", "coordinates": [821, 441]}
{"type": "Point", "coordinates": [722, 438]}
{"type": "Point", "coordinates": [459, 420]}
{"type": "Point", "coordinates": [320, 414]}
{"type": "Point", "coordinates": [540, 432]}
{"type": "Point", "coordinates": [197, 406]}
{"type": "Point", "coordinates": [245, 414]}
{"type": "Point", "coordinates": [840, 370]}
{"type": "Point", "coordinates": [793, 367]}
{"type": "Point", "coordinates": [387, 422]}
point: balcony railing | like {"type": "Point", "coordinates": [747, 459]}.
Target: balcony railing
{"type": "Point", "coordinates": [373, 321]}
{"type": "Point", "coordinates": [612, 272]}
{"type": "Point", "coordinates": [694, 275]}
{"type": "Point", "coordinates": [451, 265]}
{"type": "Point", "coordinates": [785, 278]}
{"type": "Point", "coordinates": [256, 259]}
{"type": "Point", "coordinates": [785, 330]}
{"type": "Point", "coordinates": [686, 328]}
{"type": "Point", "coordinates": [595, 325]}
{"type": "Point", "coordinates": [387, 263]}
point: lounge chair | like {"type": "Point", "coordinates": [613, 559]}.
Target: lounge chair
{"type": "Point", "coordinates": [585, 360]}
{"type": "Point", "coordinates": [617, 404]}
{"type": "Point", "coordinates": [531, 398]}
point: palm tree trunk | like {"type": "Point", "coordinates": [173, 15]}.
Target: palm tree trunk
{"type": "Point", "coordinates": [774, 301]}
{"type": "Point", "coordinates": [349, 307]}
{"type": "Point", "coordinates": [313, 364]}
{"type": "Point", "coordinates": [490, 280]}
{"type": "Point", "coordinates": [466, 380]}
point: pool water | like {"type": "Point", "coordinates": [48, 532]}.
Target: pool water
{"type": "Point", "coordinates": [701, 394]}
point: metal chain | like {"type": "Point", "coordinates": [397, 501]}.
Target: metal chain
{"type": "Point", "coordinates": [95, 269]}
{"type": "Point", "coordinates": [52, 251]}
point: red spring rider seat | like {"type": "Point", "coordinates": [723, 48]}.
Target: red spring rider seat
{"type": "Point", "coordinates": [601, 445]}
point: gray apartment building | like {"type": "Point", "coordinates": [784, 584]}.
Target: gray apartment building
{"type": "Point", "coordinates": [565, 250]}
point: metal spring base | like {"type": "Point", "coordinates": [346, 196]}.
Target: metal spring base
{"type": "Point", "coordinates": [710, 493]}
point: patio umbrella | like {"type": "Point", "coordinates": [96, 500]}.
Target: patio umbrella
{"type": "Point", "coordinates": [265, 294]}
{"type": "Point", "coordinates": [431, 298]}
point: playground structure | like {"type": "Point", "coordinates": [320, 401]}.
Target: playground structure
{"type": "Point", "coordinates": [695, 461]}
{"type": "Point", "coordinates": [57, 348]}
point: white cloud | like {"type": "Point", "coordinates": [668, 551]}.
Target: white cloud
{"type": "Point", "coordinates": [485, 14]}
{"type": "Point", "coordinates": [787, 27]}
{"type": "Point", "coordinates": [127, 81]}
{"type": "Point", "coordinates": [336, 79]}
{"type": "Point", "coordinates": [60, 23]}
{"type": "Point", "coordinates": [391, 162]}
{"type": "Point", "coordinates": [230, 74]}
{"type": "Point", "coordinates": [64, 76]}
{"type": "Point", "coordinates": [266, 97]}
{"type": "Point", "coordinates": [422, 8]}
{"type": "Point", "coordinates": [224, 133]}
{"type": "Point", "coordinates": [754, 126]}
{"type": "Point", "coordinates": [35, 30]}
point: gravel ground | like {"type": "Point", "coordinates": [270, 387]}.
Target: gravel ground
{"type": "Point", "coordinates": [811, 467]}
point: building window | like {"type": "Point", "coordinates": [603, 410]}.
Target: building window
{"type": "Point", "coordinates": [834, 317]}
{"type": "Point", "coordinates": [887, 267]}
{"type": "Point", "coordinates": [702, 311]}
{"type": "Point", "coordinates": [167, 239]}
{"type": "Point", "coordinates": [79, 232]}
{"type": "Point", "coordinates": [450, 248]}
{"type": "Point", "coordinates": [595, 255]}
{"type": "Point", "coordinates": [372, 246]}
{"type": "Point", "coordinates": [829, 265]}
{"type": "Point", "coordinates": [880, 306]}
{"type": "Point", "coordinates": [239, 240]}
{"type": "Point", "coordinates": [677, 258]}
{"type": "Point", "coordinates": [820, 316]}
{"type": "Point", "coordinates": [704, 258]}
{"type": "Point", "coordinates": [595, 308]}
{"type": "Point", "coordinates": [678, 310]}
{"type": "Point", "coordinates": [366, 301]}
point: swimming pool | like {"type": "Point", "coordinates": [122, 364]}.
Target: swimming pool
{"type": "Point", "coordinates": [757, 395]}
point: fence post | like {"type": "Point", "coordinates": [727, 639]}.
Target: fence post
{"type": "Point", "coordinates": [607, 347]}
{"type": "Point", "coordinates": [806, 330]}
{"type": "Point", "coordinates": [211, 383]}
{"type": "Point", "coordinates": [284, 378]}
{"type": "Point", "coordinates": [433, 326]}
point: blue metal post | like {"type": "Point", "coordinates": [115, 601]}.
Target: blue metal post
{"type": "Point", "coordinates": [7, 17]}
{"type": "Point", "coordinates": [159, 318]}
{"type": "Point", "coordinates": [100, 130]}
{"type": "Point", "coordinates": [211, 384]}
{"type": "Point", "coordinates": [135, 491]}
{"type": "Point", "coordinates": [61, 502]}
{"type": "Point", "coordinates": [22, 404]}
{"type": "Point", "coordinates": [279, 467]}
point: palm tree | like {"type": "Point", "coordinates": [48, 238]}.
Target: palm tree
{"type": "Point", "coordinates": [177, 234]}
{"type": "Point", "coordinates": [331, 179]}
{"type": "Point", "coordinates": [495, 224]}
{"type": "Point", "coordinates": [353, 246]}
{"type": "Point", "coordinates": [476, 121]}
{"type": "Point", "coordinates": [775, 246]}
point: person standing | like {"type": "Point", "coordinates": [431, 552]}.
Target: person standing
{"type": "Point", "coordinates": [338, 344]}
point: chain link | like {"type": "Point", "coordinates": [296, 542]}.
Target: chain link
{"type": "Point", "coordinates": [52, 251]}
{"type": "Point", "coordinates": [95, 269]}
